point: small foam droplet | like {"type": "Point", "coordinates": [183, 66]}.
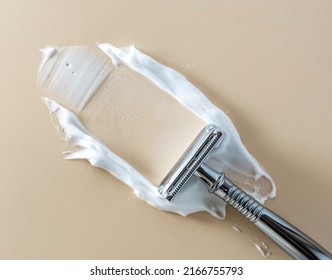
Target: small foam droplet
{"type": "Point", "coordinates": [236, 228]}
{"type": "Point", "coordinates": [262, 248]}
{"type": "Point", "coordinates": [47, 52]}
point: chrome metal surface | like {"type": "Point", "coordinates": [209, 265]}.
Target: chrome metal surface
{"type": "Point", "coordinates": [242, 202]}
{"type": "Point", "coordinates": [210, 177]}
{"type": "Point", "coordinates": [293, 241]}
{"type": "Point", "coordinates": [185, 168]}
{"type": "Point", "coordinates": [297, 244]}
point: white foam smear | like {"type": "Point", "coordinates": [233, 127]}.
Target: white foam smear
{"type": "Point", "coordinates": [99, 155]}
{"type": "Point", "coordinates": [85, 83]}
{"type": "Point", "coordinates": [231, 157]}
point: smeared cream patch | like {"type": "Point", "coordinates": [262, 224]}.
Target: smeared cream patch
{"type": "Point", "coordinates": [231, 157]}
{"type": "Point", "coordinates": [72, 66]}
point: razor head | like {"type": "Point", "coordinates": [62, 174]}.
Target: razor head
{"type": "Point", "coordinates": [187, 165]}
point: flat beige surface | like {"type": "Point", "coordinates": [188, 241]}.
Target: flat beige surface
{"type": "Point", "coordinates": [267, 63]}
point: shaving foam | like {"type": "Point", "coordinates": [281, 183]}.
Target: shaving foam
{"type": "Point", "coordinates": [76, 80]}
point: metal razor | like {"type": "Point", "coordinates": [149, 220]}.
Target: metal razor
{"type": "Point", "coordinates": [294, 242]}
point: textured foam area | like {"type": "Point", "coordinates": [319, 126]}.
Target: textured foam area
{"type": "Point", "coordinates": [136, 117]}
{"type": "Point", "coordinates": [140, 123]}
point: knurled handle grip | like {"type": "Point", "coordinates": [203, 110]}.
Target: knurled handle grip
{"type": "Point", "coordinates": [293, 241]}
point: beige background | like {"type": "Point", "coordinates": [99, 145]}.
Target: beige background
{"type": "Point", "coordinates": [267, 63]}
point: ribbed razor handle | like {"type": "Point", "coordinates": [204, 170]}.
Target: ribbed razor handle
{"type": "Point", "coordinates": [289, 238]}
{"type": "Point", "coordinates": [294, 242]}
{"type": "Point", "coordinates": [242, 202]}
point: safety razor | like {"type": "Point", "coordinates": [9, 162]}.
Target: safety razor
{"type": "Point", "coordinates": [293, 241]}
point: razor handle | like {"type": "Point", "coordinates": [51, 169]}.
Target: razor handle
{"type": "Point", "coordinates": [293, 241]}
